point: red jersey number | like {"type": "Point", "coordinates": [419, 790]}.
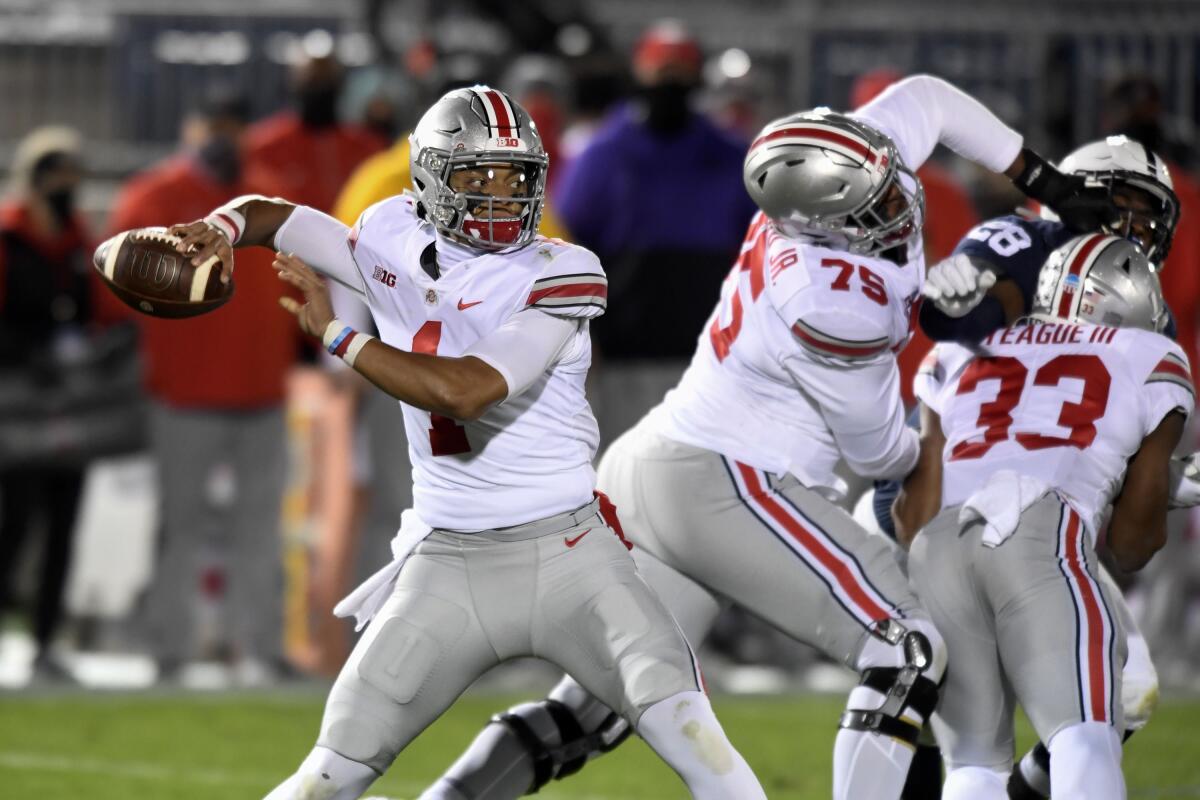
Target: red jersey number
{"type": "Point", "coordinates": [870, 283]}
{"type": "Point", "coordinates": [446, 437]}
{"type": "Point", "coordinates": [995, 417]}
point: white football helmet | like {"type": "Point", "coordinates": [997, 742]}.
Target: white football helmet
{"type": "Point", "coordinates": [1101, 279]}
{"type": "Point", "coordinates": [831, 177]}
{"type": "Point", "coordinates": [1119, 162]}
{"type": "Point", "coordinates": [468, 129]}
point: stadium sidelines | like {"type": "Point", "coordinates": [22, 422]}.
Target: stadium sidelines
{"type": "Point", "coordinates": [43, 762]}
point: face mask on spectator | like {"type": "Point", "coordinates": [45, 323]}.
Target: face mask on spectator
{"type": "Point", "coordinates": [219, 155]}
{"type": "Point", "coordinates": [666, 105]}
{"type": "Point", "coordinates": [318, 106]}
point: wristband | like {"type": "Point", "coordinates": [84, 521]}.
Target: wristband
{"type": "Point", "coordinates": [343, 341]}
{"type": "Point", "coordinates": [1038, 177]}
{"type": "Point", "coordinates": [228, 221]}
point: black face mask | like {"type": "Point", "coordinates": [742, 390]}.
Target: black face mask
{"type": "Point", "coordinates": [219, 155]}
{"type": "Point", "coordinates": [62, 204]}
{"type": "Point", "coordinates": [318, 106]}
{"type": "Point", "coordinates": [666, 106]}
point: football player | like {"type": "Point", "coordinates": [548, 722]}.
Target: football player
{"type": "Point", "coordinates": [989, 282]}
{"type": "Point", "coordinates": [1041, 425]}
{"type": "Point", "coordinates": [729, 484]}
{"type": "Point", "coordinates": [507, 552]}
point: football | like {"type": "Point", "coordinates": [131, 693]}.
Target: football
{"type": "Point", "coordinates": [143, 268]}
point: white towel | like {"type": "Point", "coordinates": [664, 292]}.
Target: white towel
{"type": "Point", "coordinates": [1000, 502]}
{"type": "Point", "coordinates": [365, 601]}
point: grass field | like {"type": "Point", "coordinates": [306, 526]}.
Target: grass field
{"type": "Point", "coordinates": [199, 747]}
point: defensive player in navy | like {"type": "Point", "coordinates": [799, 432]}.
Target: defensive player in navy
{"type": "Point", "coordinates": [728, 485]}
{"type": "Point", "coordinates": [989, 282]}
{"type": "Point", "coordinates": [507, 552]}
{"type": "Point", "coordinates": [1040, 427]}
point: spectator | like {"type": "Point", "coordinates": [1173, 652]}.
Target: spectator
{"type": "Point", "coordinates": [217, 382]}
{"type": "Point", "coordinates": [949, 214]}
{"type": "Point", "coordinates": [50, 301]}
{"type": "Point", "coordinates": [658, 195]}
{"type": "Point", "coordinates": [307, 154]}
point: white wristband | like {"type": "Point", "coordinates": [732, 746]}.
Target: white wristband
{"type": "Point", "coordinates": [343, 341]}
{"type": "Point", "coordinates": [228, 221]}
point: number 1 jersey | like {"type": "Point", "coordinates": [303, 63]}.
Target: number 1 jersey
{"type": "Point", "coordinates": [530, 456]}
{"type": "Point", "coordinates": [1065, 403]}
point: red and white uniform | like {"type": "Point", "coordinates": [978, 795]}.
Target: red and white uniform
{"type": "Point", "coordinates": [1066, 404]}
{"type": "Point", "coordinates": [796, 366]}
{"type": "Point", "coordinates": [531, 456]}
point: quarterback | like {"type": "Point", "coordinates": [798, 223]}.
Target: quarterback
{"type": "Point", "coordinates": [728, 486]}
{"type": "Point", "coordinates": [507, 551]}
{"type": "Point", "coordinates": [1039, 428]}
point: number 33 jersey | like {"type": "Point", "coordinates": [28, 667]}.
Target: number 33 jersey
{"type": "Point", "coordinates": [530, 456]}
{"type": "Point", "coordinates": [796, 367]}
{"type": "Point", "coordinates": [1065, 403]}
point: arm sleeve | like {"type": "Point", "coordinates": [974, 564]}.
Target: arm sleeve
{"type": "Point", "coordinates": [322, 242]}
{"type": "Point", "coordinates": [860, 402]}
{"type": "Point", "coordinates": [524, 347]}
{"type": "Point", "coordinates": [922, 111]}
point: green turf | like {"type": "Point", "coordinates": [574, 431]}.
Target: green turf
{"type": "Point", "coordinates": [195, 747]}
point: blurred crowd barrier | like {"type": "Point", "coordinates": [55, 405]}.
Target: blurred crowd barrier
{"type": "Point", "coordinates": [313, 101]}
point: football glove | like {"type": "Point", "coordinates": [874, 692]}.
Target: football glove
{"type": "Point", "coordinates": [957, 284]}
{"type": "Point", "coordinates": [1081, 207]}
{"type": "Point", "coordinates": [1185, 482]}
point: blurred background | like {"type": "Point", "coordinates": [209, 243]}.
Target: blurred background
{"type": "Point", "coordinates": [182, 503]}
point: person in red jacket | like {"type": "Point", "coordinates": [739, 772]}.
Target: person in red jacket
{"type": "Point", "coordinates": [217, 382]}
{"type": "Point", "coordinates": [307, 154]}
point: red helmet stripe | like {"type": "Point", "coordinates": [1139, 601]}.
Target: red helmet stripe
{"type": "Point", "coordinates": [821, 134]}
{"type": "Point", "coordinates": [1081, 257]}
{"type": "Point", "coordinates": [504, 115]}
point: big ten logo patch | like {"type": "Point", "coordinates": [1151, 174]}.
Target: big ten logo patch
{"type": "Point", "coordinates": [384, 277]}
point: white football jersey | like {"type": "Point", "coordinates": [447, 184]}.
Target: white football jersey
{"type": "Point", "coordinates": [1065, 403]}
{"type": "Point", "coordinates": [798, 329]}
{"type": "Point", "coordinates": [529, 457]}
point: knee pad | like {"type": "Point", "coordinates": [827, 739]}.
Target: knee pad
{"type": "Point", "coordinates": [913, 685]}
{"type": "Point", "coordinates": [556, 741]}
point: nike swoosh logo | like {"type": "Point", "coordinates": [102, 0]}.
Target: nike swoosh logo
{"type": "Point", "coordinates": [575, 541]}
{"type": "Point", "coordinates": [464, 306]}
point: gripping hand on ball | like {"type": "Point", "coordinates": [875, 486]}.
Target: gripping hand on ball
{"type": "Point", "coordinates": [317, 311]}
{"type": "Point", "coordinates": [956, 285]}
{"type": "Point", "coordinates": [201, 240]}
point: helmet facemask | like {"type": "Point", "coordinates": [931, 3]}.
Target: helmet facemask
{"type": "Point", "coordinates": [891, 217]}
{"type": "Point", "coordinates": [463, 210]}
{"type": "Point", "coordinates": [1149, 211]}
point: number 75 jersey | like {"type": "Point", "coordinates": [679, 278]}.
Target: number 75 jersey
{"type": "Point", "coordinates": [796, 365]}
{"type": "Point", "coordinates": [1065, 403]}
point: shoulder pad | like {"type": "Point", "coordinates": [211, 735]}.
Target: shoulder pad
{"type": "Point", "coordinates": [842, 334]}
{"type": "Point", "coordinates": [392, 214]}
{"type": "Point", "coordinates": [1171, 367]}
{"type": "Point", "coordinates": [570, 283]}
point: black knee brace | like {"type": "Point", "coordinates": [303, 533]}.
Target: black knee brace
{"type": "Point", "coordinates": [556, 761]}
{"type": "Point", "coordinates": [902, 687]}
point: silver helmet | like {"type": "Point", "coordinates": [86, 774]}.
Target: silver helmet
{"type": "Point", "coordinates": [831, 177]}
{"type": "Point", "coordinates": [1119, 162]}
{"type": "Point", "coordinates": [472, 128]}
{"type": "Point", "coordinates": [1101, 279]}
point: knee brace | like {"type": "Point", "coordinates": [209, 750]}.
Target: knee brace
{"type": "Point", "coordinates": [903, 687]}
{"type": "Point", "coordinates": [556, 741]}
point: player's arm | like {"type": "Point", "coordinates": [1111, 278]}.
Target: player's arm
{"type": "Point", "coordinates": [920, 496]}
{"type": "Point", "coordinates": [923, 111]}
{"type": "Point", "coordinates": [1138, 528]}
{"type": "Point", "coordinates": [845, 366]}
{"type": "Point", "coordinates": [501, 365]}
{"type": "Point", "coordinates": [252, 220]}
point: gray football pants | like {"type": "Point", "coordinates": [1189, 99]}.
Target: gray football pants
{"type": "Point", "coordinates": [1028, 621]}
{"type": "Point", "coordinates": [563, 589]}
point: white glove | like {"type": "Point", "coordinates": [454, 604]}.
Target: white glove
{"type": "Point", "coordinates": [956, 285]}
{"type": "Point", "coordinates": [1185, 482]}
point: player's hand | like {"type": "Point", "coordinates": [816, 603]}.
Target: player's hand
{"type": "Point", "coordinates": [956, 285]}
{"type": "Point", "coordinates": [201, 240]}
{"type": "Point", "coordinates": [1185, 482]}
{"type": "Point", "coordinates": [315, 314]}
